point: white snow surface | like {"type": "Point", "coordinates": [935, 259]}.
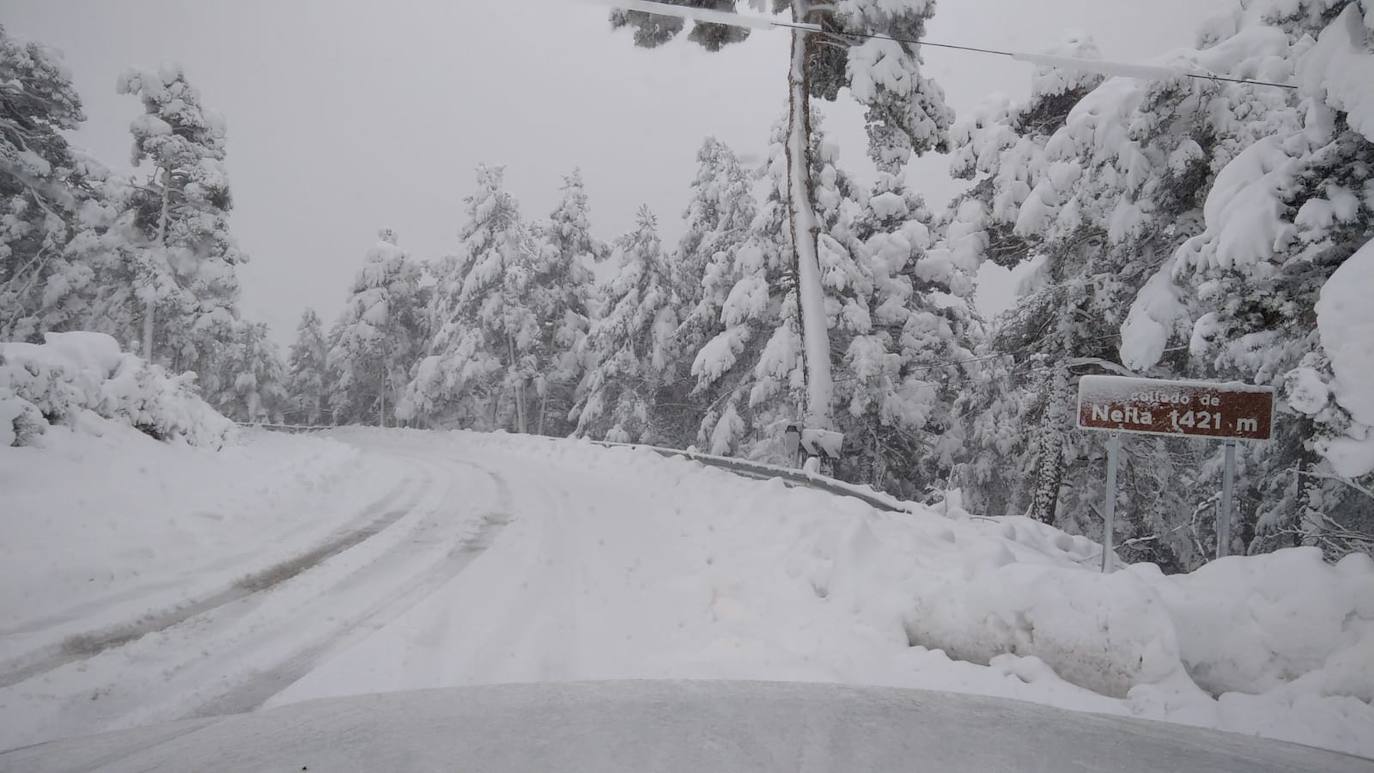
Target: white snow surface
{"type": "Point", "coordinates": [104, 525]}
{"type": "Point", "coordinates": [1345, 319]}
{"type": "Point", "coordinates": [510, 559]}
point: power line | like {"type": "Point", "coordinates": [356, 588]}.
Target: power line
{"type": "Point", "coordinates": [1104, 67]}
{"type": "Point", "coordinates": [1099, 66]}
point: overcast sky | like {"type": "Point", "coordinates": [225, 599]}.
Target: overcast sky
{"type": "Point", "coordinates": [348, 116]}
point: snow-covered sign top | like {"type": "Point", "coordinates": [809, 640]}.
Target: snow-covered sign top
{"type": "Point", "coordinates": [1160, 407]}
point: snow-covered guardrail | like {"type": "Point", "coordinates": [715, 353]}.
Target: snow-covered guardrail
{"type": "Point", "coordinates": [293, 428]}
{"type": "Point", "coordinates": [758, 470]}
{"type": "Point", "coordinates": [789, 475]}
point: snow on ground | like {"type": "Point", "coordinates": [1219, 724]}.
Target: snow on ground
{"type": "Point", "coordinates": [552, 561]}
{"type": "Point", "coordinates": [104, 525]}
{"type": "Point", "coordinates": [620, 564]}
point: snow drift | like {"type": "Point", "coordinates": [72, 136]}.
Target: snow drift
{"type": "Point", "coordinates": [72, 376]}
{"type": "Point", "coordinates": [615, 563]}
{"type": "Point", "coordinates": [692, 573]}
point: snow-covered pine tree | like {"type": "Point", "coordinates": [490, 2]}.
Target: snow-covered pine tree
{"type": "Point", "coordinates": [483, 362]}
{"type": "Point", "coordinates": [905, 114]}
{"type": "Point", "coordinates": [1095, 185]}
{"type": "Point", "coordinates": [184, 257]}
{"type": "Point", "coordinates": [307, 384]}
{"type": "Point", "coordinates": [753, 369]}
{"type": "Point", "coordinates": [749, 375]}
{"type": "Point", "coordinates": [248, 380]}
{"type": "Point", "coordinates": [560, 290]}
{"type": "Point", "coordinates": [1281, 270]}
{"type": "Point", "coordinates": [902, 369]}
{"type": "Point", "coordinates": [1168, 210]}
{"type": "Point", "coordinates": [41, 191]}
{"type": "Point", "coordinates": [718, 220]}
{"type": "Point", "coordinates": [379, 334]}
{"type": "Point", "coordinates": [628, 345]}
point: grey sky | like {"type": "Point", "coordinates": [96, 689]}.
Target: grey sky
{"type": "Point", "coordinates": [347, 116]}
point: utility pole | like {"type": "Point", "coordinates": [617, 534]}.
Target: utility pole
{"type": "Point", "coordinates": [805, 231]}
{"type": "Point", "coordinates": [801, 207]}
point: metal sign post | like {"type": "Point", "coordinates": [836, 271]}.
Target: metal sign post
{"type": "Point", "coordinates": [1202, 409]}
{"type": "Point", "coordinates": [1228, 483]}
{"type": "Point", "coordinates": [1109, 505]}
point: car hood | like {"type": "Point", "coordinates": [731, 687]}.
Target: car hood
{"type": "Point", "coordinates": [671, 726]}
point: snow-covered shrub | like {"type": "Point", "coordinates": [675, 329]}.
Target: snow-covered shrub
{"type": "Point", "coordinates": [1255, 623]}
{"type": "Point", "coordinates": [73, 373]}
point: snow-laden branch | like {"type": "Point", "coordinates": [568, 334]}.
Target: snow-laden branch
{"type": "Point", "coordinates": [1337, 478]}
{"type": "Point", "coordinates": [700, 14]}
{"type": "Point", "coordinates": [46, 194]}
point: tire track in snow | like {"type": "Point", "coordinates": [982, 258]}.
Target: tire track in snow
{"type": "Point", "coordinates": [237, 656]}
{"type": "Point", "coordinates": [266, 683]}
{"type": "Point", "coordinates": [84, 646]}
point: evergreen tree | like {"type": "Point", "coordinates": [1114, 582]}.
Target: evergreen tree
{"type": "Point", "coordinates": [248, 380]}
{"type": "Point", "coordinates": [379, 334]}
{"type": "Point", "coordinates": [560, 288]}
{"type": "Point", "coordinates": [628, 346]}
{"type": "Point", "coordinates": [307, 384]}
{"type": "Point", "coordinates": [718, 221]}
{"type": "Point", "coordinates": [484, 357]}
{"type": "Point", "coordinates": [184, 258]}
{"type": "Point", "coordinates": [1280, 273]}
{"type": "Point", "coordinates": [1200, 219]}
{"type": "Point", "coordinates": [905, 114]}
{"type": "Point", "coordinates": [42, 188]}
{"type": "Point", "coordinates": [902, 367]}
{"type": "Point", "coordinates": [750, 373]}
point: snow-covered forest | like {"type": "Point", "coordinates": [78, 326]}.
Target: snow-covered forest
{"type": "Point", "coordinates": [1171, 227]}
{"type": "Point", "coordinates": [781, 419]}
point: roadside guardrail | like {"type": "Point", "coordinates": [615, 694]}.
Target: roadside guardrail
{"type": "Point", "coordinates": [742, 467]}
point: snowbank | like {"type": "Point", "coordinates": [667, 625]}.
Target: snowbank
{"type": "Point", "coordinates": [693, 573]}
{"type": "Point", "coordinates": [616, 563]}
{"type": "Point", "coordinates": [73, 376]}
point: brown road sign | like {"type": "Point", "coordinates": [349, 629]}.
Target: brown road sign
{"type": "Point", "coordinates": [1176, 408]}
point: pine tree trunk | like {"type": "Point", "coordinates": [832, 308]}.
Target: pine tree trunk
{"type": "Point", "coordinates": [521, 423]}
{"type": "Point", "coordinates": [149, 319]}
{"type": "Point", "coordinates": [1049, 464]}
{"type": "Point", "coordinates": [543, 407]}
{"type": "Point", "coordinates": [805, 229]}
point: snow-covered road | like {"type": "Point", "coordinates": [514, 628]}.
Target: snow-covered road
{"type": "Point", "coordinates": [227, 637]}
{"type": "Point", "coordinates": [376, 561]}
